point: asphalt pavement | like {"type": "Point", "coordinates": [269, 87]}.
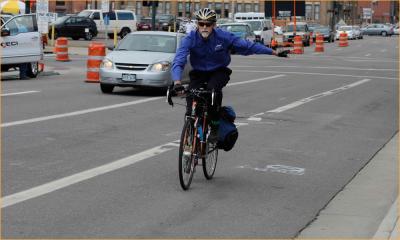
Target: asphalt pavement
{"type": "Point", "coordinates": [317, 155]}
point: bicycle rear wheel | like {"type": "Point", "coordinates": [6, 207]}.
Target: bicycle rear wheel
{"type": "Point", "coordinates": [210, 160]}
{"type": "Point", "coordinates": [186, 156]}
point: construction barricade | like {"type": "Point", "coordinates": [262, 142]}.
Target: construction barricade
{"type": "Point", "coordinates": [96, 53]}
{"type": "Point", "coordinates": [311, 42]}
{"type": "Point", "coordinates": [343, 40]}
{"type": "Point", "coordinates": [298, 45]}
{"type": "Point", "coordinates": [319, 43]}
{"type": "Point", "coordinates": [61, 49]}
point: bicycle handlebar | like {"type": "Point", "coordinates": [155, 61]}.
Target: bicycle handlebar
{"type": "Point", "coordinates": [193, 92]}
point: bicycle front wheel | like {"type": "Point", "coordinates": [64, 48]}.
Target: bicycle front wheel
{"type": "Point", "coordinates": [210, 160]}
{"type": "Point", "coordinates": [186, 156]}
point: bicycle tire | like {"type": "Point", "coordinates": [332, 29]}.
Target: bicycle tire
{"type": "Point", "coordinates": [209, 162]}
{"type": "Point", "coordinates": [186, 165]}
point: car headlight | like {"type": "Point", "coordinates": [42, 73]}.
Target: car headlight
{"type": "Point", "coordinates": [107, 64]}
{"type": "Point", "coordinates": [160, 66]}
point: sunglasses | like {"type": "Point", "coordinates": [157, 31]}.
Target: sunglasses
{"type": "Point", "coordinates": [207, 24]}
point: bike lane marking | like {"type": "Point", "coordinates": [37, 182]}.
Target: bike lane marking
{"type": "Point", "coordinates": [124, 162]}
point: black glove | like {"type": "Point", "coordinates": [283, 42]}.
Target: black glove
{"type": "Point", "coordinates": [283, 53]}
{"type": "Point", "coordinates": [178, 88]}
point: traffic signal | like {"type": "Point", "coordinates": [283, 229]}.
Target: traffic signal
{"type": "Point", "coordinates": [149, 3]}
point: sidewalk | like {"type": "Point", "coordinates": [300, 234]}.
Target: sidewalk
{"type": "Point", "coordinates": [367, 206]}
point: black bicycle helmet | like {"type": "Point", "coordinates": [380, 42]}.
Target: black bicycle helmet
{"type": "Point", "coordinates": [206, 14]}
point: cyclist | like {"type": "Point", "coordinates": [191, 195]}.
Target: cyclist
{"type": "Point", "coordinates": [210, 48]}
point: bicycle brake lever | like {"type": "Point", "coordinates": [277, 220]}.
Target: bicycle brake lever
{"type": "Point", "coordinates": [169, 98]}
{"type": "Point", "coordinates": [212, 97]}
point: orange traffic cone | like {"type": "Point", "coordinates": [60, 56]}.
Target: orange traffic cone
{"type": "Point", "coordinates": [61, 49]}
{"type": "Point", "coordinates": [319, 43]}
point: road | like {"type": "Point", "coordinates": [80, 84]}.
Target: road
{"type": "Point", "coordinates": [78, 163]}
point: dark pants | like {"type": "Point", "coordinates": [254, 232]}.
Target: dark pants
{"type": "Point", "coordinates": [216, 80]}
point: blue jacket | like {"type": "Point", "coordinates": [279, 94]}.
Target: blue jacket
{"type": "Point", "coordinates": [213, 53]}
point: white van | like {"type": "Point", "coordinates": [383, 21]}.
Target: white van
{"type": "Point", "coordinates": [263, 30]}
{"type": "Point", "coordinates": [124, 20]}
{"type": "Point", "coordinates": [21, 43]}
{"type": "Point", "coordinates": [241, 16]}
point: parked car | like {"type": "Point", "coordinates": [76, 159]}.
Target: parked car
{"type": "Point", "coordinates": [240, 29]}
{"type": "Point", "coordinates": [123, 20]}
{"type": "Point", "coordinates": [166, 21]}
{"type": "Point", "coordinates": [142, 59]}
{"type": "Point", "coordinates": [278, 30]}
{"type": "Point", "coordinates": [145, 24]}
{"type": "Point", "coordinates": [262, 30]}
{"type": "Point", "coordinates": [357, 32]}
{"type": "Point", "coordinates": [378, 29]}
{"type": "Point", "coordinates": [21, 43]}
{"type": "Point", "coordinates": [301, 30]}
{"type": "Point", "coordinates": [346, 29]}
{"type": "Point", "coordinates": [396, 30]}
{"type": "Point", "coordinates": [75, 27]}
{"type": "Point", "coordinates": [328, 34]}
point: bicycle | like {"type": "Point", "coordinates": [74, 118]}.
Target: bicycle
{"type": "Point", "coordinates": [194, 144]}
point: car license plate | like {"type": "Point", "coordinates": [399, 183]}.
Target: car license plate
{"type": "Point", "coordinates": [129, 77]}
{"type": "Point", "coordinates": [145, 27]}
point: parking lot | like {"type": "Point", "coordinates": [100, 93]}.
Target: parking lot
{"type": "Point", "coordinates": [80, 163]}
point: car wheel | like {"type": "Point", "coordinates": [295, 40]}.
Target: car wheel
{"type": "Point", "coordinates": [88, 36]}
{"type": "Point", "coordinates": [384, 34]}
{"type": "Point", "coordinates": [124, 32]}
{"type": "Point", "coordinates": [33, 69]}
{"type": "Point", "coordinates": [105, 88]}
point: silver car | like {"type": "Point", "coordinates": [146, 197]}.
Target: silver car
{"type": "Point", "coordinates": [378, 29]}
{"type": "Point", "coordinates": [141, 59]}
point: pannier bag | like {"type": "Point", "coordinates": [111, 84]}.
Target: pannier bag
{"type": "Point", "coordinates": [227, 131]}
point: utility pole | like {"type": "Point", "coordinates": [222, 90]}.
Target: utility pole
{"type": "Point", "coordinates": [153, 15]}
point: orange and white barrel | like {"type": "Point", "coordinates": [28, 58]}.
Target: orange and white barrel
{"type": "Point", "coordinates": [343, 40]}
{"type": "Point", "coordinates": [61, 49]}
{"type": "Point", "coordinates": [298, 45]}
{"type": "Point", "coordinates": [96, 53]}
{"type": "Point", "coordinates": [319, 43]}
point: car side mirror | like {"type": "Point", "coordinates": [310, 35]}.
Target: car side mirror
{"type": "Point", "coordinates": [265, 29]}
{"type": "Point", "coordinates": [5, 32]}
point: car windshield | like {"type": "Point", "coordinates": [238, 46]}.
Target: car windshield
{"type": "Point", "coordinates": [164, 17]}
{"type": "Point", "coordinates": [299, 28]}
{"type": "Point", "coordinates": [346, 28]}
{"type": "Point", "coordinates": [84, 14]}
{"type": "Point", "coordinates": [146, 20]}
{"type": "Point", "coordinates": [322, 30]}
{"type": "Point", "coordinates": [61, 19]}
{"type": "Point", "coordinates": [149, 43]}
{"type": "Point", "coordinates": [234, 28]}
{"type": "Point", "coordinates": [255, 25]}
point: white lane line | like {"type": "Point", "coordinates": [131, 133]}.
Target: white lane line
{"type": "Point", "coordinates": [317, 96]}
{"type": "Point", "coordinates": [85, 175]}
{"type": "Point", "coordinates": [311, 67]}
{"type": "Point", "coordinates": [367, 55]}
{"type": "Point", "coordinates": [40, 119]}
{"type": "Point", "coordinates": [317, 74]}
{"type": "Point", "coordinates": [256, 80]}
{"type": "Point", "coordinates": [124, 162]}
{"type": "Point", "coordinates": [18, 93]}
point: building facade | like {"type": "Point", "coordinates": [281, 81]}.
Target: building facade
{"type": "Point", "coordinates": [322, 12]}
